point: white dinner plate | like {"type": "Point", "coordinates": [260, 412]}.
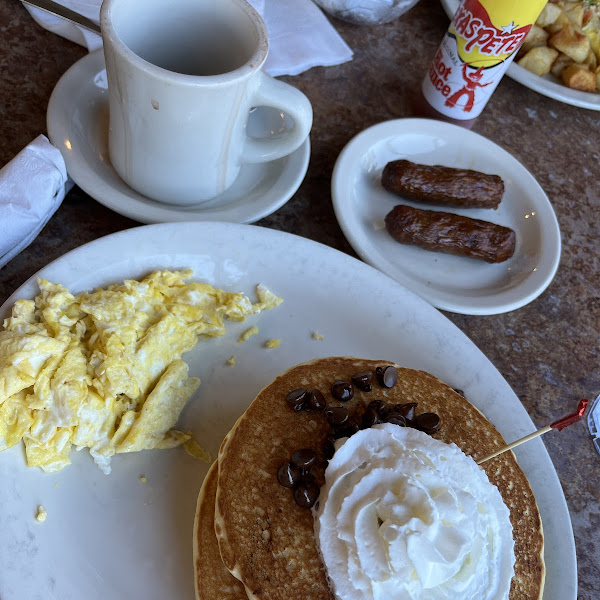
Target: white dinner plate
{"type": "Point", "coordinates": [114, 537]}
{"type": "Point", "coordinates": [548, 85]}
{"type": "Point", "coordinates": [454, 283]}
{"type": "Point", "coordinates": [77, 121]}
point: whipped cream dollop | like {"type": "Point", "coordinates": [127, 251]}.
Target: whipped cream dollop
{"type": "Point", "coordinates": [403, 516]}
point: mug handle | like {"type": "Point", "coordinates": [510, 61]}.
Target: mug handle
{"type": "Point", "coordinates": [292, 102]}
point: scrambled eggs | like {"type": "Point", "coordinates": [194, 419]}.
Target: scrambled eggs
{"type": "Point", "coordinates": [103, 370]}
{"type": "Point", "coordinates": [248, 334]}
{"type": "Point", "coordinates": [41, 515]}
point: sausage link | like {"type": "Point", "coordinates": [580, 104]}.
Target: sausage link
{"type": "Point", "coordinates": [450, 233]}
{"type": "Point", "coordinates": [444, 186]}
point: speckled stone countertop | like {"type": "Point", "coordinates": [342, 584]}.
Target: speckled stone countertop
{"type": "Point", "coordinates": [547, 351]}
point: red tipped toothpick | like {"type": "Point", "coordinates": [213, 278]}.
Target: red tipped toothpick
{"type": "Point", "coordinates": [560, 424]}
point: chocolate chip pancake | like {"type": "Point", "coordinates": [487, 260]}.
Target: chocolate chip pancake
{"type": "Point", "coordinates": [266, 538]}
{"type": "Point", "coordinates": [212, 580]}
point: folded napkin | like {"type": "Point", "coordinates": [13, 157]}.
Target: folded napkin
{"type": "Point", "coordinates": [300, 36]}
{"type": "Point", "coordinates": [32, 186]}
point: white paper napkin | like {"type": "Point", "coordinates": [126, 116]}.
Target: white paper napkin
{"type": "Point", "coordinates": [300, 36]}
{"type": "Point", "coordinates": [32, 186]}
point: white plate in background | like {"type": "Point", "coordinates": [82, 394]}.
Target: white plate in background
{"type": "Point", "coordinates": [453, 283]}
{"type": "Point", "coordinates": [548, 85]}
{"type": "Point", "coordinates": [114, 537]}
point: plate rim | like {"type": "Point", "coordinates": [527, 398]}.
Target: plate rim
{"type": "Point", "coordinates": [405, 126]}
{"type": "Point", "coordinates": [136, 206]}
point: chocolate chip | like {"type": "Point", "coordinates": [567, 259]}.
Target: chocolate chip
{"type": "Point", "coordinates": [306, 494]}
{"type": "Point", "coordinates": [406, 410]}
{"type": "Point", "coordinates": [296, 398]}
{"type": "Point", "coordinates": [428, 422]}
{"type": "Point", "coordinates": [329, 447]}
{"type": "Point", "coordinates": [289, 475]}
{"type": "Point", "coordinates": [339, 433]}
{"type": "Point", "coordinates": [304, 458]}
{"type": "Point", "coordinates": [370, 418]}
{"type": "Point", "coordinates": [316, 400]}
{"type": "Point", "coordinates": [342, 391]}
{"type": "Point", "coordinates": [345, 432]}
{"type": "Point", "coordinates": [380, 407]}
{"type": "Point", "coordinates": [387, 376]}
{"type": "Point", "coordinates": [459, 391]}
{"type": "Point", "coordinates": [375, 406]}
{"type": "Point", "coordinates": [352, 426]}
{"type": "Point", "coordinates": [307, 478]}
{"type": "Point", "coordinates": [396, 418]}
{"type": "Point", "coordinates": [337, 416]}
{"type": "Point", "coordinates": [363, 380]}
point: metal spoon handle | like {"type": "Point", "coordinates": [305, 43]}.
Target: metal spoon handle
{"type": "Point", "coordinates": [66, 13]}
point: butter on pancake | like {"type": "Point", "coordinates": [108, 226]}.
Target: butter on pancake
{"type": "Point", "coordinates": [267, 541]}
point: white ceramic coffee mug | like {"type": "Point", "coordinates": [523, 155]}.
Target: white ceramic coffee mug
{"type": "Point", "coordinates": [183, 76]}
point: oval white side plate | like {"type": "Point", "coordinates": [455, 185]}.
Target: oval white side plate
{"type": "Point", "coordinates": [454, 283]}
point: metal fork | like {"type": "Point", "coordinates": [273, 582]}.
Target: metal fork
{"type": "Point", "coordinates": [66, 13]}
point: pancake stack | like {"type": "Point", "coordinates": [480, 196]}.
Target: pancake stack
{"type": "Point", "coordinates": [252, 540]}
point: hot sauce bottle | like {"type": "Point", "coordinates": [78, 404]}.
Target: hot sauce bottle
{"type": "Point", "coordinates": [478, 47]}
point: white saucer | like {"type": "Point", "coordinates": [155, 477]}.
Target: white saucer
{"type": "Point", "coordinates": [453, 283]}
{"type": "Point", "coordinates": [77, 123]}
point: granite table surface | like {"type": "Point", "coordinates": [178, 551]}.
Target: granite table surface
{"type": "Point", "coordinates": [548, 351]}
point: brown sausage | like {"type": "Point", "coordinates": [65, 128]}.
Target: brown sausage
{"type": "Point", "coordinates": [450, 233]}
{"type": "Point", "coordinates": [444, 186]}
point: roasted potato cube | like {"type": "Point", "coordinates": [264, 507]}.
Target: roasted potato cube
{"type": "Point", "coordinates": [548, 15]}
{"type": "Point", "coordinates": [539, 60]}
{"type": "Point", "coordinates": [561, 22]}
{"type": "Point", "coordinates": [592, 30]}
{"type": "Point", "coordinates": [575, 13]}
{"type": "Point", "coordinates": [559, 64]}
{"type": "Point", "coordinates": [571, 42]}
{"type": "Point", "coordinates": [536, 37]}
{"type": "Point", "coordinates": [565, 41]}
{"type": "Point", "coordinates": [590, 60]}
{"type": "Point", "coordinates": [579, 77]}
